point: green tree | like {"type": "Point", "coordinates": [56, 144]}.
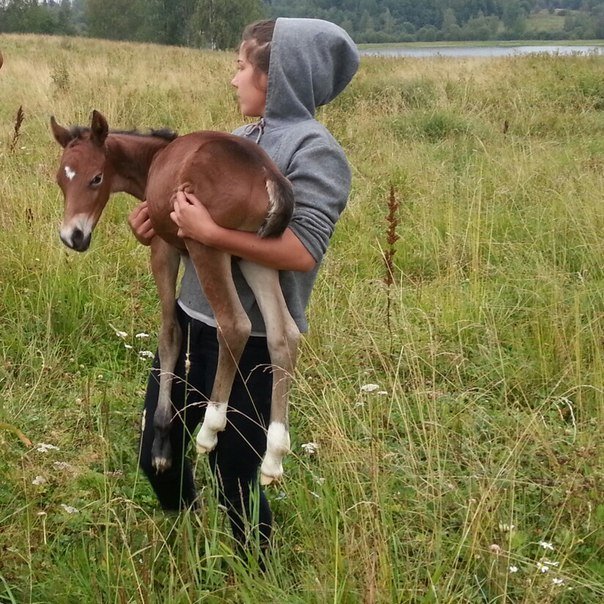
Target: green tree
{"type": "Point", "coordinates": [218, 24]}
{"type": "Point", "coordinates": [514, 17]}
{"type": "Point", "coordinates": [113, 19]}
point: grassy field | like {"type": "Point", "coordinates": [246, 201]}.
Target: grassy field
{"type": "Point", "coordinates": [472, 472]}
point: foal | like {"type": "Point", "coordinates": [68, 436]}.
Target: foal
{"type": "Point", "coordinates": [242, 189]}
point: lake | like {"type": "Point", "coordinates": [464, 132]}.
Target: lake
{"type": "Point", "coordinates": [478, 51]}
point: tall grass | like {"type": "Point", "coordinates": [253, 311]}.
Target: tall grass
{"type": "Point", "coordinates": [457, 410]}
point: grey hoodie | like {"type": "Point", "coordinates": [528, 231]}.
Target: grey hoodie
{"type": "Point", "coordinates": [311, 62]}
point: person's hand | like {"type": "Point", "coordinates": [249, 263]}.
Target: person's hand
{"type": "Point", "coordinates": [193, 219]}
{"type": "Point", "coordinates": [140, 224]}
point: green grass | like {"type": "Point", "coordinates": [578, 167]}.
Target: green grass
{"type": "Point", "coordinates": [480, 453]}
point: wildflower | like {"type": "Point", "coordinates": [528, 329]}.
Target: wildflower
{"type": "Point", "coordinates": [127, 346]}
{"type": "Point", "coordinates": [506, 528]}
{"type": "Point", "coordinates": [62, 465]}
{"type": "Point", "coordinates": [44, 448]}
{"type": "Point", "coordinates": [542, 568]}
{"type": "Point", "coordinates": [558, 581]}
{"type": "Point", "coordinates": [546, 545]}
{"type": "Point", "coordinates": [495, 549]}
{"type": "Point", "coordinates": [145, 354]}
{"type": "Point", "coordinates": [38, 480]}
{"type": "Point", "coordinates": [141, 335]}
{"type": "Point", "coordinates": [121, 334]}
{"type": "Point", "coordinates": [310, 448]}
{"type": "Point", "coordinates": [70, 509]}
{"type": "Point", "coordinates": [513, 569]}
{"type": "Point", "coordinates": [369, 388]}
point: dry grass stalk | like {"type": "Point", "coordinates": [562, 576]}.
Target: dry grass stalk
{"type": "Point", "coordinates": [19, 118]}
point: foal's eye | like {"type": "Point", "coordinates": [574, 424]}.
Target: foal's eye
{"type": "Point", "coordinates": [97, 180]}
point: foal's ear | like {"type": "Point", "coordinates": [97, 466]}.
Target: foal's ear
{"type": "Point", "coordinates": [98, 128]}
{"type": "Point", "coordinates": [62, 135]}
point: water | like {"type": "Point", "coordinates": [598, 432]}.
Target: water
{"type": "Point", "coordinates": [479, 51]}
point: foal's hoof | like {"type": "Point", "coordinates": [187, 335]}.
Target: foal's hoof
{"type": "Point", "coordinates": [265, 479]}
{"type": "Point", "coordinates": [161, 454]}
{"type": "Point", "coordinates": [206, 441]}
{"type": "Point", "coordinates": [161, 464]}
{"type": "Point", "coordinates": [270, 471]}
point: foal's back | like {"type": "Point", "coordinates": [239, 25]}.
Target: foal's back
{"type": "Point", "coordinates": [226, 173]}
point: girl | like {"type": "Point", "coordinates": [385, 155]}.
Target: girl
{"type": "Point", "coordinates": [285, 70]}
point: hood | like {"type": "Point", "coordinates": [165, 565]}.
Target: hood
{"type": "Point", "coordinates": [311, 62]}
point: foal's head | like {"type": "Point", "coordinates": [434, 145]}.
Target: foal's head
{"type": "Point", "coordinates": [84, 177]}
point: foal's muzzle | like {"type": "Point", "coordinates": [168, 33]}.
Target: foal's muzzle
{"type": "Point", "coordinates": [76, 240]}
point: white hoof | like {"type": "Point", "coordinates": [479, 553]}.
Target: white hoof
{"type": "Point", "coordinates": [265, 480]}
{"type": "Point", "coordinates": [277, 447]}
{"type": "Point", "coordinates": [214, 421]}
{"type": "Point", "coordinates": [206, 441]}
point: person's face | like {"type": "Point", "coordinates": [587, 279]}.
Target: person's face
{"type": "Point", "coordinates": [251, 86]}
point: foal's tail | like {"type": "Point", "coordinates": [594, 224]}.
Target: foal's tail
{"type": "Point", "coordinates": [281, 204]}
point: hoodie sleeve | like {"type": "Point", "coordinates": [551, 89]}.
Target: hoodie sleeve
{"type": "Point", "coordinates": [320, 177]}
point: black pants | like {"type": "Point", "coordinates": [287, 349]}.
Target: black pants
{"type": "Point", "coordinates": [237, 457]}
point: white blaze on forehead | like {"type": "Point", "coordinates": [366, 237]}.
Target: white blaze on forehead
{"type": "Point", "coordinates": [70, 173]}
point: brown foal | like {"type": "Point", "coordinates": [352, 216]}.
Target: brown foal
{"type": "Point", "coordinates": [242, 189]}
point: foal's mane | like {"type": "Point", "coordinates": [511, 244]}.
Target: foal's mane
{"type": "Point", "coordinates": [80, 132]}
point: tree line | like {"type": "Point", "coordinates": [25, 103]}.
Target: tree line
{"type": "Point", "coordinates": [218, 23]}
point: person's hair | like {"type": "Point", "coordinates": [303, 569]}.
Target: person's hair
{"type": "Point", "coordinates": [256, 40]}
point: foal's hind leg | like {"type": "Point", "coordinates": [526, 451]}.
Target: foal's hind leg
{"type": "Point", "coordinates": [282, 337]}
{"type": "Point", "coordinates": [214, 273]}
{"type": "Point", "coordinates": [164, 263]}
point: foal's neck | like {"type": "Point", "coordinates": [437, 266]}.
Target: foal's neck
{"type": "Point", "coordinates": [131, 156]}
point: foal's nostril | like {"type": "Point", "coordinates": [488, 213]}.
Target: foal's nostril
{"type": "Point", "coordinates": [79, 241]}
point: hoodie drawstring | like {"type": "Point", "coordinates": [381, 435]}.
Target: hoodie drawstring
{"type": "Point", "coordinates": [249, 130]}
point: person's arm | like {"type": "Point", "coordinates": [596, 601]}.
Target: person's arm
{"type": "Point", "coordinates": [285, 253]}
{"type": "Point", "coordinates": [140, 225]}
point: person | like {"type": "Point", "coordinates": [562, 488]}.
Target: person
{"type": "Point", "coordinates": [285, 70]}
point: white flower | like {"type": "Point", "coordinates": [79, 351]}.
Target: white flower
{"type": "Point", "coordinates": [369, 388]}
{"type": "Point", "coordinates": [127, 346]}
{"type": "Point", "coordinates": [44, 448]}
{"type": "Point", "coordinates": [145, 354]}
{"type": "Point", "coordinates": [546, 545]}
{"type": "Point", "coordinates": [141, 335]}
{"type": "Point", "coordinates": [513, 569]}
{"type": "Point", "coordinates": [558, 581]}
{"type": "Point", "coordinates": [38, 480]}
{"type": "Point", "coordinates": [121, 334]}
{"type": "Point", "coordinates": [542, 567]}
{"type": "Point", "coordinates": [70, 509]}
{"type": "Point", "coordinates": [310, 448]}
{"type": "Point", "coordinates": [507, 528]}
{"type": "Point", "coordinates": [62, 465]}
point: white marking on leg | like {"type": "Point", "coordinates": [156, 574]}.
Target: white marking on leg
{"type": "Point", "coordinates": [144, 420]}
{"type": "Point", "coordinates": [277, 447]}
{"type": "Point", "coordinates": [70, 173]}
{"type": "Point", "coordinates": [214, 421]}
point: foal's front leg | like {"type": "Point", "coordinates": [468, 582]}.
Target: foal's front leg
{"type": "Point", "coordinates": [164, 263]}
{"type": "Point", "coordinates": [213, 269]}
